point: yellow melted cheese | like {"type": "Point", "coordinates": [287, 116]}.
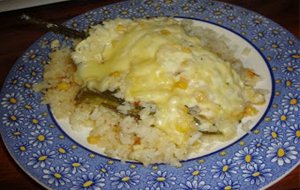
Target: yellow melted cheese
{"type": "Point", "coordinates": [164, 65]}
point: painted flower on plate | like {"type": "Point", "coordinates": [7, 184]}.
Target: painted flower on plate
{"type": "Point", "coordinates": [14, 83]}
{"type": "Point", "coordinates": [20, 68]}
{"type": "Point", "coordinates": [282, 153]}
{"type": "Point", "coordinates": [273, 133]}
{"type": "Point", "coordinates": [125, 179]}
{"type": "Point", "coordinates": [195, 173]}
{"type": "Point", "coordinates": [63, 151]}
{"type": "Point", "coordinates": [293, 56]}
{"type": "Point", "coordinates": [56, 175]}
{"type": "Point", "coordinates": [256, 174]}
{"type": "Point", "coordinates": [291, 101]}
{"type": "Point", "coordinates": [104, 169]}
{"type": "Point", "coordinates": [12, 100]}
{"type": "Point", "coordinates": [88, 181]}
{"type": "Point", "coordinates": [22, 148]}
{"type": "Point", "coordinates": [258, 145]}
{"type": "Point", "coordinates": [283, 117]}
{"type": "Point", "coordinates": [41, 158]}
{"type": "Point", "coordinates": [41, 138]}
{"type": "Point", "coordinates": [233, 18]}
{"type": "Point", "coordinates": [293, 133]}
{"type": "Point", "coordinates": [16, 133]}
{"type": "Point", "coordinates": [247, 156]}
{"type": "Point", "coordinates": [228, 185]}
{"type": "Point", "coordinates": [13, 118]}
{"type": "Point", "coordinates": [195, 184]}
{"type": "Point", "coordinates": [276, 32]}
{"type": "Point", "coordinates": [30, 107]}
{"type": "Point", "coordinates": [33, 74]}
{"type": "Point", "coordinates": [290, 69]}
{"type": "Point", "coordinates": [275, 46]}
{"type": "Point", "coordinates": [258, 21]}
{"type": "Point", "coordinates": [32, 56]}
{"type": "Point", "coordinates": [260, 33]}
{"type": "Point", "coordinates": [161, 179]}
{"type": "Point", "coordinates": [44, 42]}
{"type": "Point", "coordinates": [76, 164]}
{"type": "Point", "coordinates": [224, 169]}
{"type": "Point", "coordinates": [36, 121]}
{"type": "Point", "coordinates": [291, 83]}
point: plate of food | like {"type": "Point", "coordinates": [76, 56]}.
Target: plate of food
{"type": "Point", "coordinates": [158, 95]}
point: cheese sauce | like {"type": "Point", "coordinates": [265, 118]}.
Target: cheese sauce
{"type": "Point", "coordinates": [164, 65]}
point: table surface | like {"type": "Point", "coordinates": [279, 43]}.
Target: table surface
{"type": "Point", "coordinates": [16, 37]}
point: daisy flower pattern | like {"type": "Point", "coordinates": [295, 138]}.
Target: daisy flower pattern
{"type": "Point", "coordinates": [291, 102]}
{"type": "Point", "coordinates": [258, 21]}
{"type": "Point", "coordinates": [22, 149]}
{"type": "Point", "coordinates": [276, 32]}
{"type": "Point", "coordinates": [283, 117]}
{"type": "Point", "coordinates": [36, 121]}
{"type": "Point", "coordinates": [228, 184]}
{"type": "Point", "coordinates": [256, 174]}
{"type": "Point", "coordinates": [63, 151]}
{"type": "Point", "coordinates": [290, 69]}
{"type": "Point", "coordinates": [247, 156]}
{"type": "Point", "coordinates": [259, 34]}
{"type": "Point", "coordinates": [275, 46]}
{"type": "Point", "coordinates": [224, 169]}
{"type": "Point", "coordinates": [14, 83]}
{"type": "Point", "coordinates": [31, 56]}
{"type": "Point", "coordinates": [290, 83]}
{"type": "Point", "coordinates": [282, 153]}
{"type": "Point", "coordinates": [41, 138]}
{"type": "Point", "coordinates": [56, 175]}
{"type": "Point", "coordinates": [88, 182]}
{"type": "Point", "coordinates": [195, 173]}
{"type": "Point", "coordinates": [76, 164]}
{"type": "Point", "coordinates": [104, 169]}
{"type": "Point", "coordinates": [199, 185]}
{"type": "Point", "coordinates": [258, 145]}
{"type": "Point", "coordinates": [16, 133]}
{"type": "Point", "coordinates": [272, 133]}
{"type": "Point", "coordinates": [125, 179]}
{"type": "Point", "coordinates": [293, 56]}
{"type": "Point", "coordinates": [11, 101]}
{"type": "Point", "coordinates": [34, 74]}
{"type": "Point", "coordinates": [41, 158]}
{"type": "Point", "coordinates": [161, 179]}
{"type": "Point", "coordinates": [13, 118]}
{"type": "Point", "coordinates": [20, 68]}
{"type": "Point", "coordinates": [293, 133]}
{"type": "Point", "coordinates": [30, 107]}
{"type": "Point", "coordinates": [233, 18]}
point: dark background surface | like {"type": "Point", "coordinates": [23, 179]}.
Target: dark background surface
{"type": "Point", "coordinates": [15, 38]}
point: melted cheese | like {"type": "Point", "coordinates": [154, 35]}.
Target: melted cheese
{"type": "Point", "coordinates": [164, 65]}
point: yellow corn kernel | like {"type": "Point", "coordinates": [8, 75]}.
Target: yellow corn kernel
{"type": "Point", "coordinates": [185, 63]}
{"type": "Point", "coordinates": [186, 49]}
{"type": "Point", "coordinates": [182, 83]}
{"type": "Point", "coordinates": [121, 28]}
{"type": "Point", "coordinates": [63, 86]}
{"type": "Point", "coordinates": [115, 74]}
{"type": "Point", "coordinates": [250, 110]}
{"type": "Point", "coordinates": [181, 128]}
{"type": "Point", "coordinates": [165, 32]}
{"type": "Point", "coordinates": [93, 139]}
